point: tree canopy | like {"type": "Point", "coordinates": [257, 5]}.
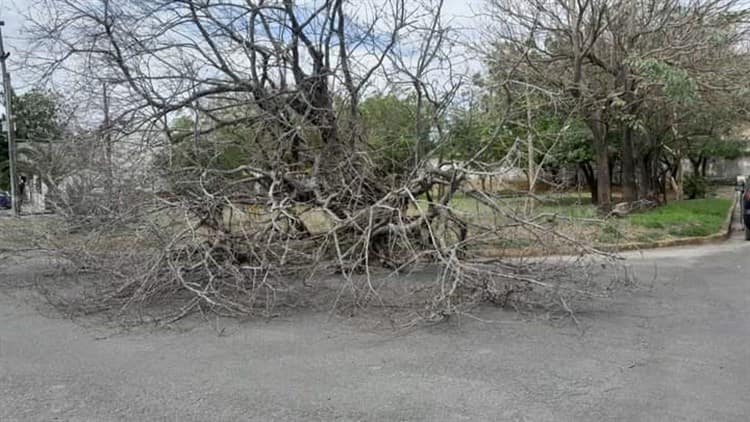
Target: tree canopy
{"type": "Point", "coordinates": [36, 116]}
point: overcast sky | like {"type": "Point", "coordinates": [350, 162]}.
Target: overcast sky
{"type": "Point", "coordinates": [12, 11]}
{"type": "Point", "coordinates": [9, 12]}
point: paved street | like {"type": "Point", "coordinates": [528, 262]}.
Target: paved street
{"type": "Point", "coordinates": [677, 349]}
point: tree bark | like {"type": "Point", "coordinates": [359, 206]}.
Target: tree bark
{"type": "Point", "coordinates": [645, 187]}
{"type": "Point", "coordinates": [601, 156]}
{"type": "Point", "coordinates": [679, 180]}
{"type": "Point", "coordinates": [629, 187]}
{"type": "Point", "coordinates": [649, 179]}
{"type": "Point", "coordinates": [695, 164]}
{"type": "Point", "coordinates": [588, 173]}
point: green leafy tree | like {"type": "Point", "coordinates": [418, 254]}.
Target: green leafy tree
{"type": "Point", "coordinates": [391, 132]}
{"type": "Point", "coordinates": [473, 132]}
{"type": "Point", "coordinates": [36, 119]}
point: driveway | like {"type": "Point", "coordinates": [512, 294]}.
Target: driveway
{"type": "Point", "coordinates": [677, 349]}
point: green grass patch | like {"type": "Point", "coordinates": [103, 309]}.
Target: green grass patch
{"type": "Point", "coordinates": [698, 217]}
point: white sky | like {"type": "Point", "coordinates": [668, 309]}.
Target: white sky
{"type": "Point", "coordinates": [12, 11]}
{"type": "Point", "coordinates": [9, 12]}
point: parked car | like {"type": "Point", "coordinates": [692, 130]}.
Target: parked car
{"type": "Point", "coordinates": [5, 201]}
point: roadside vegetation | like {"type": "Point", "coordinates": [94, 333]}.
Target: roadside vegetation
{"type": "Point", "coordinates": [575, 215]}
{"type": "Point", "coordinates": [698, 217]}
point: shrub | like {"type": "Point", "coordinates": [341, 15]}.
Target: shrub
{"type": "Point", "coordinates": [695, 186]}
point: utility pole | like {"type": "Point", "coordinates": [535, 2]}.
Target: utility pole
{"type": "Point", "coordinates": [9, 127]}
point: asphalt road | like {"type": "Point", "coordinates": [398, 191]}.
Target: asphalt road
{"type": "Point", "coordinates": [677, 349]}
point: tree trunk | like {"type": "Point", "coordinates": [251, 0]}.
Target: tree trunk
{"type": "Point", "coordinates": [530, 145]}
{"type": "Point", "coordinates": [654, 168]}
{"type": "Point", "coordinates": [601, 157]}
{"type": "Point", "coordinates": [588, 173]}
{"type": "Point", "coordinates": [680, 180]}
{"type": "Point", "coordinates": [695, 163]}
{"type": "Point", "coordinates": [643, 177]}
{"type": "Point", "coordinates": [629, 187]}
{"type": "Point", "coordinates": [418, 126]}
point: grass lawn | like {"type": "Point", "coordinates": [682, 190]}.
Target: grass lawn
{"type": "Point", "coordinates": [699, 217]}
{"type": "Point", "coordinates": [580, 219]}
{"type": "Point", "coordinates": [677, 219]}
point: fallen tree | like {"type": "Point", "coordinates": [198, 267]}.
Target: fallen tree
{"type": "Point", "coordinates": [268, 190]}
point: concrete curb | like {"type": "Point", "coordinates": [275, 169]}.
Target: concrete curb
{"type": "Point", "coordinates": [717, 237]}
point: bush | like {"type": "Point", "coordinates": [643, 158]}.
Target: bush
{"type": "Point", "coordinates": [695, 187]}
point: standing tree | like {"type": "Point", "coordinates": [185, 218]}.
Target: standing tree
{"type": "Point", "coordinates": [37, 120]}
{"type": "Point", "coordinates": [602, 56]}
